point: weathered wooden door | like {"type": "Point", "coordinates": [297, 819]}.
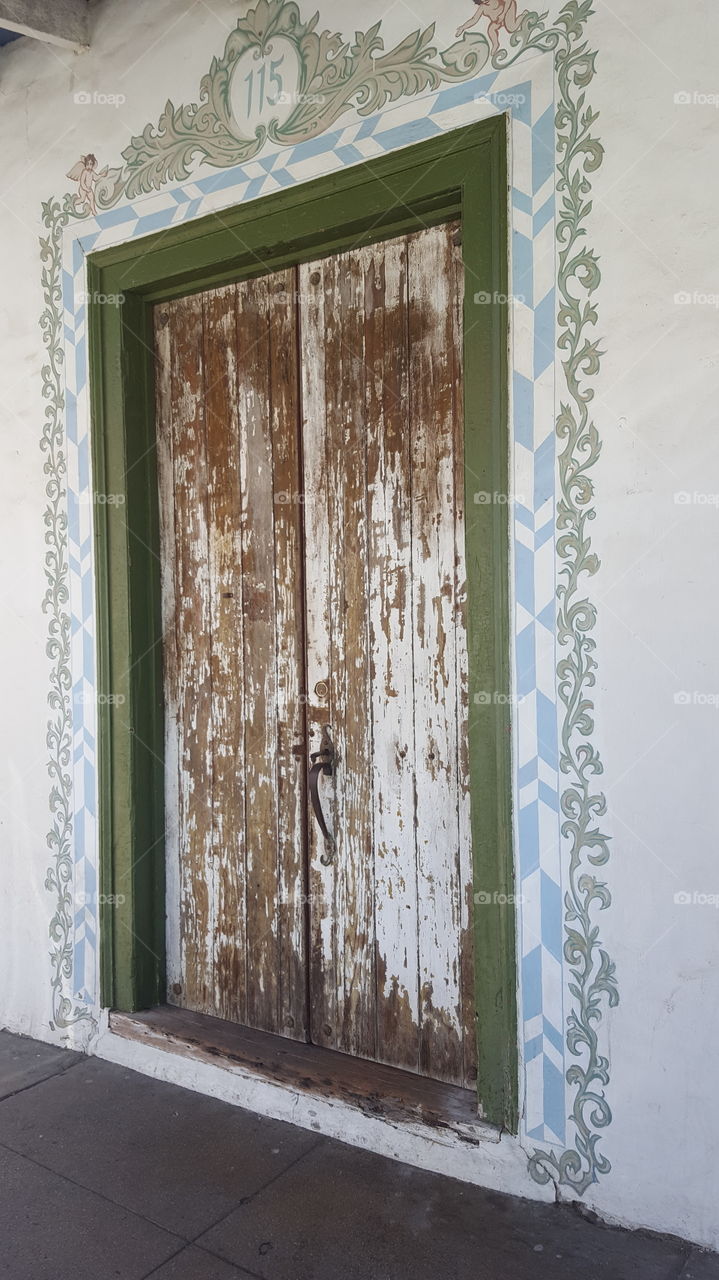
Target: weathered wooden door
{"type": "Point", "coordinates": [311, 467]}
{"type": "Point", "coordinates": [228, 456]}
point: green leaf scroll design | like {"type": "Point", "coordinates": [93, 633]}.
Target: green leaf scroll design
{"type": "Point", "coordinates": [592, 973]}
{"type": "Point", "coordinates": [59, 877]}
{"type": "Point", "coordinates": [334, 76]}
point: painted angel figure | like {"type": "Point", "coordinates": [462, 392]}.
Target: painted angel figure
{"type": "Point", "coordinates": [502, 15]}
{"type": "Point", "coordinates": [86, 174]}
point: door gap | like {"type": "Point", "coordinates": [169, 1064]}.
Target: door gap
{"type": "Point", "coordinates": [304, 758]}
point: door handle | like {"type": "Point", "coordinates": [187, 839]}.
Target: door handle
{"type": "Point", "coordinates": [323, 765]}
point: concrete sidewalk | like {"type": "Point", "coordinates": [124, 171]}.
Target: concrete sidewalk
{"type": "Point", "coordinates": [108, 1175]}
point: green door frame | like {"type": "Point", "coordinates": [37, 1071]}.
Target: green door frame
{"type": "Point", "coordinates": [461, 174]}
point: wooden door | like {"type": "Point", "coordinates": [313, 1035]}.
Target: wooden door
{"type": "Point", "coordinates": [228, 460]}
{"type": "Point", "coordinates": [391, 968]}
{"type": "Point", "coordinates": [311, 462]}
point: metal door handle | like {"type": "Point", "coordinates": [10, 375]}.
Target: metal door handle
{"type": "Point", "coordinates": [323, 764]}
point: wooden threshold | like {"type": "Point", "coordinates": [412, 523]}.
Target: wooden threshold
{"type": "Point", "coordinates": [377, 1090]}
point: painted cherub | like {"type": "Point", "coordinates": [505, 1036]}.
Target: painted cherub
{"type": "Point", "coordinates": [502, 15]}
{"type": "Point", "coordinates": [85, 175]}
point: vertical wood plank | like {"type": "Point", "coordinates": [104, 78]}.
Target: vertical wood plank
{"type": "Point", "coordinates": [392, 689]}
{"type": "Point", "coordinates": [193, 623]}
{"type": "Point", "coordinates": [163, 334]}
{"type": "Point", "coordinates": [291, 790]}
{"type": "Point", "coordinates": [465, 872]}
{"type": "Point", "coordinates": [432, 370]}
{"type": "Point", "coordinates": [319, 338]}
{"type": "Point", "coordinates": [355, 816]}
{"type": "Point", "coordinates": [225, 568]}
{"type": "Point", "coordinates": [335, 451]}
{"type": "Point", "coordinates": [260, 677]}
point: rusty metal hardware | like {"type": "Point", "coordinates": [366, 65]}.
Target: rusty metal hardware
{"type": "Point", "coordinates": [322, 764]}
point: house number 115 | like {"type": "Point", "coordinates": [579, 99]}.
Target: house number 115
{"type": "Point", "coordinates": [264, 87]}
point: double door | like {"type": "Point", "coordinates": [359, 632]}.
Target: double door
{"type": "Point", "coordinates": [310, 458]}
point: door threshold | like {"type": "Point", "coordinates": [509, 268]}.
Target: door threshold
{"type": "Point", "coordinates": [387, 1093]}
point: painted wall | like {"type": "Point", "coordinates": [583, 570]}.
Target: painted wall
{"type": "Point", "coordinates": [630, 190]}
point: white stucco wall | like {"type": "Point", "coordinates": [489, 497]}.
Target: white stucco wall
{"type": "Point", "coordinates": [654, 227]}
{"type": "Point", "coordinates": [656, 231]}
